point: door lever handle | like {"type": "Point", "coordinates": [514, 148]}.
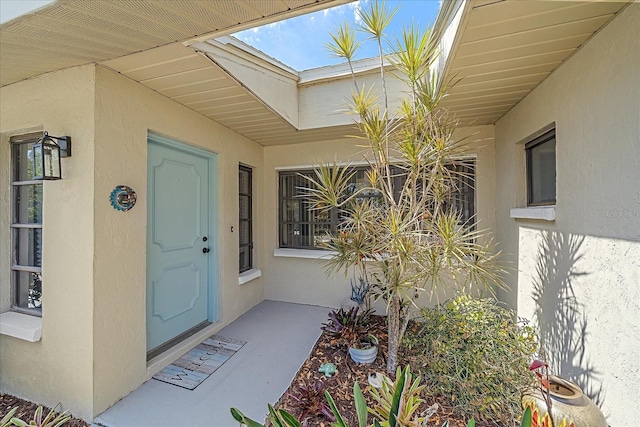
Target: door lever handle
{"type": "Point", "coordinates": [206, 250]}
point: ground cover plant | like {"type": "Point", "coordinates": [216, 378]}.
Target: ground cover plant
{"type": "Point", "coordinates": [439, 409]}
{"type": "Point", "coordinates": [471, 353]}
{"type": "Point", "coordinates": [27, 412]}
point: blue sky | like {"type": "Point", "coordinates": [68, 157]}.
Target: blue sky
{"type": "Point", "coordinates": [10, 9]}
{"type": "Point", "coordinates": [299, 42]}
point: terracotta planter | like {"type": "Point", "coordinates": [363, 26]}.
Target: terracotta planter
{"type": "Point", "coordinates": [568, 403]}
{"type": "Point", "coordinates": [365, 355]}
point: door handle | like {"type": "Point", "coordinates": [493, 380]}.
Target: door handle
{"type": "Point", "coordinates": [206, 250]}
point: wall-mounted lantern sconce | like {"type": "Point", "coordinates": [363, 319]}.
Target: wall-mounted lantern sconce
{"type": "Point", "coordinates": [46, 156]}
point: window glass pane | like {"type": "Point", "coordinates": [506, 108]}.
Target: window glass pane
{"type": "Point", "coordinates": [294, 235]}
{"type": "Point", "coordinates": [28, 246]}
{"type": "Point", "coordinates": [245, 259]}
{"type": "Point", "coordinates": [321, 235]}
{"type": "Point", "coordinates": [245, 232]}
{"type": "Point", "coordinates": [28, 204]}
{"type": "Point", "coordinates": [462, 200]}
{"type": "Point", "coordinates": [320, 215]}
{"type": "Point", "coordinates": [28, 288]}
{"type": "Point", "coordinates": [22, 162]}
{"type": "Point", "coordinates": [542, 174]}
{"type": "Point", "coordinates": [295, 211]}
{"type": "Point", "coordinates": [245, 207]}
{"type": "Point", "coordinates": [293, 185]}
{"type": "Point", "coordinates": [244, 181]}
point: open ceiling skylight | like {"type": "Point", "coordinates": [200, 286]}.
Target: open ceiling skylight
{"type": "Point", "coordinates": [300, 42]}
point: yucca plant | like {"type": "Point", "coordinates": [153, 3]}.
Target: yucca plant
{"type": "Point", "coordinates": [409, 238]}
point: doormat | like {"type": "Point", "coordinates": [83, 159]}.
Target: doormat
{"type": "Point", "coordinates": [196, 366]}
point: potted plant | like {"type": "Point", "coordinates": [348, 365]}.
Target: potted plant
{"type": "Point", "coordinates": [364, 349]}
{"type": "Point", "coordinates": [560, 402]}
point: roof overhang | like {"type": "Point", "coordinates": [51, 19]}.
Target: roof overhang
{"type": "Point", "coordinates": [75, 32]}
{"type": "Point", "coordinates": [497, 52]}
{"type": "Point", "coordinates": [235, 85]}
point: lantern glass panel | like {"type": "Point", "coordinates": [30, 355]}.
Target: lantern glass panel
{"type": "Point", "coordinates": [38, 167]}
{"type": "Point", "coordinates": [52, 161]}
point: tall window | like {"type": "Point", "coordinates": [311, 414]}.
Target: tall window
{"type": "Point", "coordinates": [245, 218]}
{"type": "Point", "coordinates": [541, 169]}
{"type": "Point", "coordinates": [26, 227]}
{"type": "Point", "coordinates": [302, 228]}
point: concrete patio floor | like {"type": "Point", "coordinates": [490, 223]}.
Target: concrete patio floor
{"type": "Point", "coordinates": [279, 338]}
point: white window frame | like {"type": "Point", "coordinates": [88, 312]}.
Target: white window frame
{"type": "Point", "coordinates": [542, 139]}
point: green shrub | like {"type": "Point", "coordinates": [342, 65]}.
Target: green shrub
{"type": "Point", "coordinates": [472, 353]}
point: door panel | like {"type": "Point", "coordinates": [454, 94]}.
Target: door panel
{"type": "Point", "coordinates": [178, 218]}
{"type": "Point", "coordinates": [179, 184]}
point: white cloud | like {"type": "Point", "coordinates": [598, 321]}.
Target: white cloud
{"type": "Point", "coordinates": [275, 25]}
{"type": "Point", "coordinates": [343, 8]}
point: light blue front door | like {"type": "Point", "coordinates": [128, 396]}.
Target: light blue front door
{"type": "Point", "coordinates": [178, 242]}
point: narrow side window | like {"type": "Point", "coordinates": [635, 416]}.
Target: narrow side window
{"type": "Point", "coordinates": [245, 217]}
{"type": "Point", "coordinates": [541, 169]}
{"type": "Point", "coordinates": [26, 228]}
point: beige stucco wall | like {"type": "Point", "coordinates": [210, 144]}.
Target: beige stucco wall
{"type": "Point", "coordinates": [125, 111]}
{"type": "Point", "coordinates": [579, 276]}
{"type": "Point", "coordinates": [93, 349]}
{"type": "Point", "coordinates": [303, 280]}
{"type": "Point", "coordinates": [325, 102]}
{"type": "Point", "coordinates": [59, 367]}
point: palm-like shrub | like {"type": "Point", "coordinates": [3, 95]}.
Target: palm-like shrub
{"type": "Point", "coordinates": [409, 238]}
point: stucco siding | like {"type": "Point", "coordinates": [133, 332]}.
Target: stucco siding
{"type": "Point", "coordinates": [125, 112]}
{"type": "Point", "coordinates": [303, 280]}
{"type": "Point", "coordinates": [58, 368]}
{"type": "Point", "coordinates": [92, 350]}
{"type": "Point", "coordinates": [326, 102]}
{"type": "Point", "coordinates": [578, 277]}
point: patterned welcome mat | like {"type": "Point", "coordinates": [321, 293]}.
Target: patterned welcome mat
{"type": "Point", "coordinates": [196, 366]}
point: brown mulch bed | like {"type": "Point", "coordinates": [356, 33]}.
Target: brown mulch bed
{"type": "Point", "coordinates": [340, 385]}
{"type": "Point", "coordinates": [26, 410]}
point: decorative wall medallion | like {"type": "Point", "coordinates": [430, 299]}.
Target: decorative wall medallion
{"type": "Point", "coordinates": [123, 198]}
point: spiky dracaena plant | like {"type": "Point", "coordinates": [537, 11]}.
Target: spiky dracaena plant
{"type": "Point", "coordinates": [408, 238]}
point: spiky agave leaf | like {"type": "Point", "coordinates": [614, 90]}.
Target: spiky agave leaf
{"type": "Point", "coordinates": [376, 19]}
{"type": "Point", "coordinates": [344, 43]}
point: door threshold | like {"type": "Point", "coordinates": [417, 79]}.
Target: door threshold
{"type": "Point", "coordinates": [170, 355]}
{"type": "Point", "coordinates": [177, 340]}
